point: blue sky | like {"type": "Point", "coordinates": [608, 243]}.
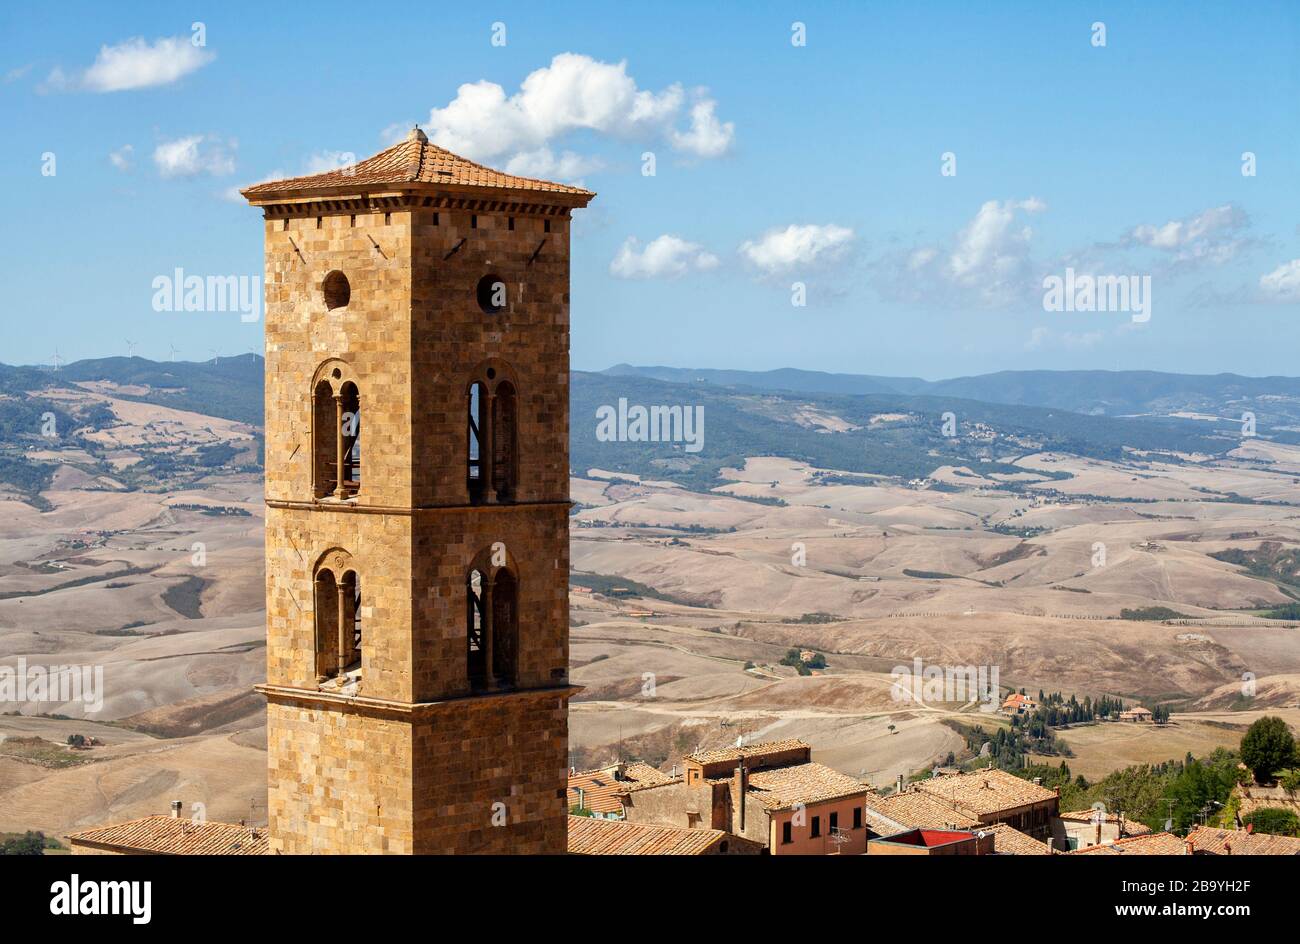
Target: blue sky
{"type": "Point", "coordinates": [775, 164]}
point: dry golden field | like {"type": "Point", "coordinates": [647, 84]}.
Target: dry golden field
{"type": "Point", "coordinates": [168, 601]}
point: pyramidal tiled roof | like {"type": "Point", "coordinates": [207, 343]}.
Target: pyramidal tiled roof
{"type": "Point", "coordinates": [411, 163]}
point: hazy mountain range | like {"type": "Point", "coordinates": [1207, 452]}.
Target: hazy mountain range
{"type": "Point", "coordinates": [1100, 392]}
{"type": "Point", "coordinates": [855, 423]}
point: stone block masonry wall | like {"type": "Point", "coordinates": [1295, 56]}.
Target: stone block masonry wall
{"type": "Point", "coordinates": [412, 761]}
{"type": "Point", "coordinates": [490, 776]}
{"type": "Point", "coordinates": [339, 780]}
{"type": "Point", "coordinates": [371, 335]}
{"type": "Point", "coordinates": [474, 775]}
{"type": "Point", "coordinates": [453, 340]}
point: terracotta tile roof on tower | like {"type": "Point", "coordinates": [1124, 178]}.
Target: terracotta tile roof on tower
{"type": "Point", "coordinates": [783, 787]}
{"type": "Point", "coordinates": [602, 790]}
{"type": "Point", "coordinates": [588, 836]}
{"type": "Point", "coordinates": [1207, 839]}
{"type": "Point", "coordinates": [410, 162]}
{"type": "Point", "coordinates": [168, 835]}
{"type": "Point", "coordinates": [982, 792]}
{"type": "Point", "coordinates": [1154, 844]}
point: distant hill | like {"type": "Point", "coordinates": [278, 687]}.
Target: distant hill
{"type": "Point", "coordinates": [786, 378]}
{"type": "Point", "coordinates": [1103, 392]}
{"type": "Point", "coordinates": [853, 423]}
{"type": "Point", "coordinates": [890, 434]}
{"type": "Point", "coordinates": [227, 387]}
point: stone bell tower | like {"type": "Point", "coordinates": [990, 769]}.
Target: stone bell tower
{"type": "Point", "coordinates": [417, 430]}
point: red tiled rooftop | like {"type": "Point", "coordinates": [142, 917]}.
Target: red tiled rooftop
{"type": "Point", "coordinates": [167, 835]}
{"type": "Point", "coordinates": [588, 836]}
{"type": "Point", "coordinates": [984, 792]}
{"type": "Point", "coordinates": [780, 788]}
{"type": "Point", "coordinates": [411, 164]}
{"type": "Point", "coordinates": [1154, 844]}
{"type": "Point", "coordinates": [602, 790]}
{"type": "Point", "coordinates": [1209, 840]}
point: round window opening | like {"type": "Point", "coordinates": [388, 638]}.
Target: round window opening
{"type": "Point", "coordinates": [491, 294]}
{"type": "Point", "coordinates": [337, 290]}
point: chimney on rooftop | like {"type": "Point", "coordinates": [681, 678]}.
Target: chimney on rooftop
{"type": "Point", "coordinates": [900, 783]}
{"type": "Point", "coordinates": [176, 809]}
{"type": "Point", "coordinates": [1038, 781]}
{"type": "Point", "coordinates": [742, 787]}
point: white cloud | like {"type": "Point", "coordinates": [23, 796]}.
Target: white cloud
{"type": "Point", "coordinates": [121, 158]}
{"type": "Point", "coordinates": [665, 256]}
{"type": "Point", "coordinates": [325, 161]}
{"type": "Point", "coordinates": [987, 262]}
{"type": "Point", "coordinates": [707, 137]}
{"type": "Point", "coordinates": [992, 245]}
{"type": "Point", "coordinates": [1283, 283]}
{"type": "Point", "coordinates": [1212, 236]}
{"type": "Point", "coordinates": [574, 93]}
{"type": "Point", "coordinates": [566, 166]}
{"type": "Point", "coordinates": [135, 64]}
{"type": "Point", "coordinates": [194, 155]}
{"type": "Point", "coordinates": [779, 250]}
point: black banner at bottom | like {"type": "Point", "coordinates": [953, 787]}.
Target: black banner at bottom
{"type": "Point", "coordinates": [137, 895]}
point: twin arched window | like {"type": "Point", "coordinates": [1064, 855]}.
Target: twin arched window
{"type": "Point", "coordinates": [338, 630]}
{"type": "Point", "coordinates": [491, 626]}
{"type": "Point", "coordinates": [336, 433]}
{"type": "Point", "coordinates": [493, 437]}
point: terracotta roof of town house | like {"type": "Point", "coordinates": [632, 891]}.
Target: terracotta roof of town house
{"type": "Point", "coordinates": [1154, 844]}
{"type": "Point", "coordinates": [1007, 840]}
{"type": "Point", "coordinates": [168, 835]}
{"type": "Point", "coordinates": [415, 164]}
{"type": "Point", "coordinates": [589, 836]}
{"type": "Point", "coordinates": [1212, 841]}
{"type": "Point", "coordinates": [1131, 826]}
{"type": "Point", "coordinates": [601, 792]}
{"type": "Point", "coordinates": [780, 788]}
{"type": "Point", "coordinates": [749, 750]}
{"type": "Point", "coordinates": [983, 792]}
{"type": "Point", "coordinates": [912, 809]}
